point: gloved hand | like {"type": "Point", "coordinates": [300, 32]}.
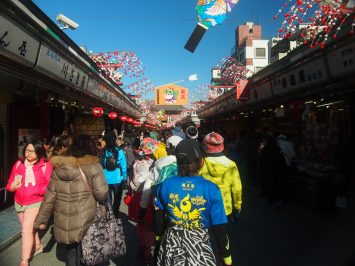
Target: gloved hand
{"type": "Point", "coordinates": [236, 215]}
{"type": "Point", "coordinates": [141, 214]}
{"type": "Point", "coordinates": [227, 261]}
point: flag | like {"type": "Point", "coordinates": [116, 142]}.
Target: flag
{"type": "Point", "coordinates": [193, 77]}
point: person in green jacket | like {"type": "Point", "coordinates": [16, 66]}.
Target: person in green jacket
{"type": "Point", "coordinates": [222, 171]}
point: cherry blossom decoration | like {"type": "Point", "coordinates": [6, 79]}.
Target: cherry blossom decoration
{"type": "Point", "coordinates": [233, 71]}
{"type": "Point", "coordinates": [118, 63]}
{"type": "Point", "coordinates": [326, 19]}
{"type": "Point", "coordinates": [200, 93]}
{"type": "Point", "coordinates": [140, 87]}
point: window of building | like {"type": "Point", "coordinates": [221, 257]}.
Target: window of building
{"type": "Point", "coordinates": [302, 76]}
{"type": "Point", "coordinates": [284, 82]}
{"type": "Point", "coordinates": [292, 80]}
{"type": "Point", "coordinates": [260, 52]}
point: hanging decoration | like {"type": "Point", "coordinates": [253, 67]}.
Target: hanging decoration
{"type": "Point", "coordinates": [115, 64]}
{"type": "Point", "coordinates": [97, 111]}
{"type": "Point", "coordinates": [123, 118]}
{"type": "Point", "coordinates": [232, 71]}
{"type": "Point", "coordinates": [200, 93]}
{"type": "Point", "coordinates": [141, 87]}
{"type": "Point", "coordinates": [210, 13]}
{"type": "Point", "coordinates": [129, 120]}
{"type": "Point", "coordinates": [327, 19]}
{"type": "Point", "coordinates": [112, 115]}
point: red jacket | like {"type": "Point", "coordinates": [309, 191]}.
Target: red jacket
{"type": "Point", "coordinates": [32, 194]}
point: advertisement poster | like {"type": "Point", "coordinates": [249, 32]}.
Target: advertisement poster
{"type": "Point", "coordinates": [25, 135]}
{"type": "Point", "coordinates": [171, 94]}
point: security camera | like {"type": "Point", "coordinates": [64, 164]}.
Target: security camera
{"type": "Point", "coordinates": [67, 22]}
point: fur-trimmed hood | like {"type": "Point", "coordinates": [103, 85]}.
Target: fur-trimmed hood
{"type": "Point", "coordinates": [67, 167]}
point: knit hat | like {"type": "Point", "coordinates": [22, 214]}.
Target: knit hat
{"type": "Point", "coordinates": [173, 141]}
{"type": "Point", "coordinates": [148, 146]}
{"type": "Point", "coordinates": [214, 143]}
{"type": "Point", "coordinates": [192, 132]}
{"type": "Point", "coordinates": [188, 151]}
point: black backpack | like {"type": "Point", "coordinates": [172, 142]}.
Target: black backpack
{"type": "Point", "coordinates": [111, 162]}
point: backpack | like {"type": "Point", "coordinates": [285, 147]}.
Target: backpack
{"type": "Point", "coordinates": [111, 161]}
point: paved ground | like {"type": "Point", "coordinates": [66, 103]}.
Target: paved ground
{"type": "Point", "coordinates": [293, 235]}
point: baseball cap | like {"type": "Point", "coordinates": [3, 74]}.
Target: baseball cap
{"type": "Point", "coordinates": [188, 151]}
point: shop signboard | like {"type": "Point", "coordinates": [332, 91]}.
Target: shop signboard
{"type": "Point", "coordinates": [306, 75]}
{"type": "Point", "coordinates": [342, 61]}
{"type": "Point", "coordinates": [16, 41]}
{"type": "Point", "coordinates": [171, 94]}
{"type": "Point", "coordinates": [53, 63]}
{"type": "Point", "coordinates": [260, 91]}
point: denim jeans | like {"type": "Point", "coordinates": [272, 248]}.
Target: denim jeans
{"type": "Point", "coordinates": [115, 196]}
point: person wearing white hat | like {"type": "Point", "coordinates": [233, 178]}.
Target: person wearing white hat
{"type": "Point", "coordinates": [192, 132]}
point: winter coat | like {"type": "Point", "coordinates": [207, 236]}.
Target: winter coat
{"type": "Point", "coordinates": [74, 205]}
{"type": "Point", "coordinates": [160, 152]}
{"type": "Point", "coordinates": [153, 177]}
{"type": "Point", "coordinates": [224, 173]}
{"type": "Point", "coordinates": [177, 131]}
{"type": "Point", "coordinates": [32, 193]}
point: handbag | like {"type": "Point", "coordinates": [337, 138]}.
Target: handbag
{"type": "Point", "coordinates": [104, 239]}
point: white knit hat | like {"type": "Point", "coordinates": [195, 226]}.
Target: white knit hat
{"type": "Point", "coordinates": [173, 141]}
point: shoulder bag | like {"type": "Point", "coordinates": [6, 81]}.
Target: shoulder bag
{"type": "Point", "coordinates": [104, 239]}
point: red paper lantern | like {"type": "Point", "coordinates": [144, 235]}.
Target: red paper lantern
{"type": "Point", "coordinates": [97, 111]}
{"type": "Point", "coordinates": [112, 115]}
{"type": "Point", "coordinates": [129, 120]}
{"type": "Point", "coordinates": [123, 118]}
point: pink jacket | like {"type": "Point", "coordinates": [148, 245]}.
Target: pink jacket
{"type": "Point", "coordinates": [31, 194]}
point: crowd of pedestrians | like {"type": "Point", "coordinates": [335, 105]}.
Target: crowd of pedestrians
{"type": "Point", "coordinates": [181, 190]}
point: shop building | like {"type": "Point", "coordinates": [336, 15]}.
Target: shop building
{"type": "Point", "coordinates": [311, 93]}
{"type": "Point", "coordinates": [48, 85]}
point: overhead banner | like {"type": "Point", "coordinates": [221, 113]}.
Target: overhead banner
{"type": "Point", "coordinates": [171, 94]}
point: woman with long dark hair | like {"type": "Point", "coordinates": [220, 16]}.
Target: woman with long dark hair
{"type": "Point", "coordinates": [69, 196]}
{"type": "Point", "coordinates": [29, 179]}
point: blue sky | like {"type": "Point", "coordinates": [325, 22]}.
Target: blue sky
{"type": "Point", "coordinates": [157, 31]}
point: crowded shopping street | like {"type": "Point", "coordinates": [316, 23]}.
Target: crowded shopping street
{"type": "Point", "coordinates": [177, 133]}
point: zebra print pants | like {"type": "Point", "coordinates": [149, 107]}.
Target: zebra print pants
{"type": "Point", "coordinates": [183, 247]}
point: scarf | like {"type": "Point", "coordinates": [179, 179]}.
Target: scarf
{"type": "Point", "coordinates": [30, 177]}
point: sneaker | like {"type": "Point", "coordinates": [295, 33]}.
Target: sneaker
{"type": "Point", "coordinates": [38, 250]}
